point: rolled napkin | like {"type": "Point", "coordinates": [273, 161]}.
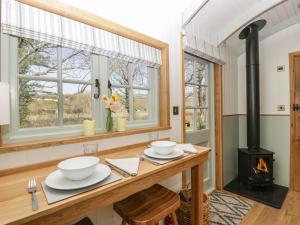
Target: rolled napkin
{"type": "Point", "coordinates": [189, 148]}
{"type": "Point", "coordinates": [128, 165]}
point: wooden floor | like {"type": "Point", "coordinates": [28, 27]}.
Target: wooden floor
{"type": "Point", "coordinates": [289, 214]}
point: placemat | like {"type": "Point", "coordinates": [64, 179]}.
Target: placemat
{"type": "Point", "coordinates": [163, 161]}
{"type": "Point", "coordinates": [54, 195]}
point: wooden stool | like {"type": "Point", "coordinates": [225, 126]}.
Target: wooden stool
{"type": "Point", "coordinates": [84, 221]}
{"type": "Point", "coordinates": [149, 206]}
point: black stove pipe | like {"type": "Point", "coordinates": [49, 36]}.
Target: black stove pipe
{"type": "Point", "coordinates": [250, 33]}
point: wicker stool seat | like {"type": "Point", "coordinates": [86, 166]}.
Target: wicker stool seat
{"type": "Point", "coordinates": [149, 206]}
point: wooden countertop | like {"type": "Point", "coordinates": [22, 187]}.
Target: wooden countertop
{"type": "Point", "coordinates": [15, 202]}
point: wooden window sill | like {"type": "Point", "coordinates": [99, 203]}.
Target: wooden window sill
{"type": "Point", "coordinates": [74, 139]}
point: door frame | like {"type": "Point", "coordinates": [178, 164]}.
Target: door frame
{"type": "Point", "coordinates": [293, 161]}
{"type": "Point", "coordinates": [218, 118]}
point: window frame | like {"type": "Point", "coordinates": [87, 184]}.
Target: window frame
{"type": "Point", "coordinates": [153, 97]}
{"type": "Point", "coordinates": [195, 85]}
{"type": "Point", "coordinates": [99, 70]}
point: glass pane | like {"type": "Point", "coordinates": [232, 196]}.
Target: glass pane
{"type": "Point", "coordinates": [201, 100]}
{"type": "Point", "coordinates": [38, 103]}
{"type": "Point", "coordinates": [189, 96]}
{"type": "Point", "coordinates": [139, 75]}
{"type": "Point", "coordinates": [37, 58]}
{"type": "Point", "coordinates": [123, 95]}
{"type": "Point", "coordinates": [77, 103]}
{"type": "Point", "coordinates": [76, 64]}
{"type": "Point", "coordinates": [201, 73]}
{"type": "Point", "coordinates": [140, 105]}
{"type": "Point", "coordinates": [188, 70]}
{"type": "Point", "coordinates": [118, 71]}
{"type": "Point", "coordinates": [189, 119]}
{"type": "Point", "coordinates": [201, 119]}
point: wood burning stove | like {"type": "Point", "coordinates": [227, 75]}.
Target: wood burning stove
{"type": "Point", "coordinates": [255, 168]}
{"type": "Point", "coordinates": [255, 165]}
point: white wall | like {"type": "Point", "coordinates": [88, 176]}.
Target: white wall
{"type": "Point", "coordinates": [153, 18]}
{"type": "Point", "coordinates": [274, 86]}
{"type": "Point", "coordinates": [158, 19]}
{"type": "Point", "coordinates": [230, 83]}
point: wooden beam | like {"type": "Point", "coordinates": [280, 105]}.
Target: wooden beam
{"type": "Point", "coordinates": [218, 126]}
{"type": "Point", "coordinates": [74, 139]}
{"type": "Point", "coordinates": [183, 130]}
{"type": "Point", "coordinates": [294, 153]}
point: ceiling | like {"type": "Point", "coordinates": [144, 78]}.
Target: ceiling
{"type": "Point", "coordinates": [220, 21]}
{"type": "Point", "coordinates": [278, 18]}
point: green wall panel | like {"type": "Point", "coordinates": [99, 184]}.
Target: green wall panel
{"type": "Point", "coordinates": [230, 146]}
{"type": "Point", "coordinates": [275, 136]}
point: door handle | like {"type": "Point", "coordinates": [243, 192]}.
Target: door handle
{"type": "Point", "coordinates": [295, 107]}
{"type": "Point", "coordinates": [97, 85]}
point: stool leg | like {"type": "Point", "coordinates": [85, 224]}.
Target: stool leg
{"type": "Point", "coordinates": [123, 222]}
{"type": "Point", "coordinates": [174, 218]}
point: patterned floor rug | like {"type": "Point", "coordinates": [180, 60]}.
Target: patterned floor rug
{"type": "Point", "coordinates": [227, 209]}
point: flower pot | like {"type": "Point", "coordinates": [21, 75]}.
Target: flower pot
{"type": "Point", "coordinates": [109, 121]}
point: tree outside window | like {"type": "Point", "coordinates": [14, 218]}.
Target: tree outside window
{"type": "Point", "coordinates": [196, 89]}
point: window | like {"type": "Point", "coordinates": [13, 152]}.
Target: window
{"type": "Point", "coordinates": [54, 85]}
{"type": "Point", "coordinates": [53, 89]}
{"type": "Point", "coordinates": [196, 93]}
{"type": "Point", "coordinates": [132, 82]}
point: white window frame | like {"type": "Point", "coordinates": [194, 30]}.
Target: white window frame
{"type": "Point", "coordinates": [99, 70]}
{"type": "Point", "coordinates": [194, 85]}
{"type": "Point", "coordinates": [153, 97]}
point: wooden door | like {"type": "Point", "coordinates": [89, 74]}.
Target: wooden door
{"type": "Point", "coordinates": [295, 120]}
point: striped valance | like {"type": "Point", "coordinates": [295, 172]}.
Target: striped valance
{"type": "Point", "coordinates": [203, 49]}
{"type": "Point", "coordinates": [25, 21]}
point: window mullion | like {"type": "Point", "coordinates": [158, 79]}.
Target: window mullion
{"type": "Point", "coordinates": [12, 51]}
{"type": "Point", "coordinates": [152, 93]}
{"type": "Point", "coordinates": [60, 86]}
{"type": "Point", "coordinates": [130, 93]}
{"type": "Point", "coordinates": [195, 95]}
{"type": "Point", "coordinates": [104, 77]}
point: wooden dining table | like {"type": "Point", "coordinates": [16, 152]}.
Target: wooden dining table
{"type": "Point", "coordinates": [15, 201]}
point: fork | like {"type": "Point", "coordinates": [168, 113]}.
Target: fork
{"type": "Point", "coordinates": [123, 173]}
{"type": "Point", "coordinates": [32, 190]}
{"type": "Point", "coordinates": [142, 158]}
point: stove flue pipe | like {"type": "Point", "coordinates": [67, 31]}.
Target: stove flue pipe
{"type": "Point", "coordinates": [250, 33]}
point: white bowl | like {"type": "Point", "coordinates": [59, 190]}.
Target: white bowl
{"type": "Point", "coordinates": [78, 168]}
{"type": "Point", "coordinates": [163, 147]}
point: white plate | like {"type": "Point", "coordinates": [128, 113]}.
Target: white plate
{"type": "Point", "coordinates": [58, 181]}
{"type": "Point", "coordinates": [175, 154]}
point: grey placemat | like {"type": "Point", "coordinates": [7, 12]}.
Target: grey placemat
{"type": "Point", "coordinates": [54, 195]}
{"type": "Point", "coordinates": [163, 161]}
